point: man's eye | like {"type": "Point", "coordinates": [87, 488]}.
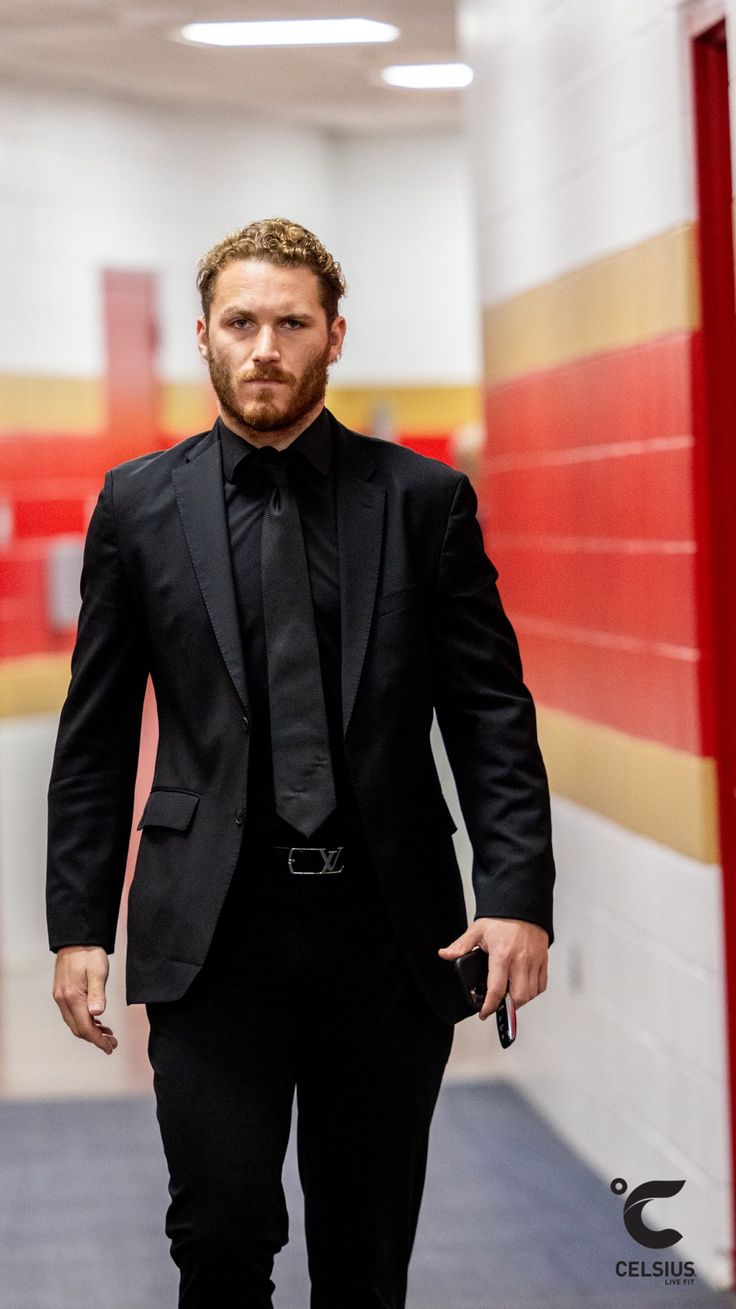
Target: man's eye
{"type": "Point", "coordinates": [239, 322]}
{"type": "Point", "coordinates": [293, 322]}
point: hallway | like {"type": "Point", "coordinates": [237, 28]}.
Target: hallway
{"type": "Point", "coordinates": [516, 1224]}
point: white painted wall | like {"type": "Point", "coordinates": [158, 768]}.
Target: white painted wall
{"type": "Point", "coordinates": [625, 1052]}
{"type": "Point", "coordinates": [580, 132]}
{"type": "Point", "coordinates": [89, 184]}
{"type": "Point", "coordinates": [86, 184]}
{"type": "Point", "coordinates": [581, 139]}
{"type": "Point", "coordinates": [407, 248]}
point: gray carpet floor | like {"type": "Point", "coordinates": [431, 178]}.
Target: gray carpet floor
{"type": "Point", "coordinates": [511, 1219]}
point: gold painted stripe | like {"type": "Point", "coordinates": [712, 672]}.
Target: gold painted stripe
{"type": "Point", "coordinates": [624, 299]}
{"type": "Point", "coordinates": [426, 409]}
{"type": "Point", "coordinates": [52, 404]}
{"type": "Point", "coordinates": [665, 794]}
{"type": "Point", "coordinates": [34, 684]}
{"type": "Point", "coordinates": [186, 408]}
{"type": "Point", "coordinates": [76, 405]}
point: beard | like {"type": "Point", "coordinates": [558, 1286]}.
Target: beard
{"type": "Point", "coordinates": [261, 412]}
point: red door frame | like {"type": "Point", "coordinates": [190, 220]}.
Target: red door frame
{"type": "Point", "coordinates": [714, 416]}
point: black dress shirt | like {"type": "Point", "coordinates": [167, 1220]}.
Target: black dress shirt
{"type": "Point", "coordinates": [311, 472]}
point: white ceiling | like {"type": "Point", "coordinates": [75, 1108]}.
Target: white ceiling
{"type": "Point", "coordinates": [124, 49]}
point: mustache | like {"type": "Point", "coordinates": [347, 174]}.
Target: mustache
{"type": "Point", "coordinates": [262, 376]}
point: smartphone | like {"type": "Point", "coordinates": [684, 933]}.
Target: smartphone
{"type": "Point", "coordinates": [472, 970]}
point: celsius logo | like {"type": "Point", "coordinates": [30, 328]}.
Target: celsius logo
{"type": "Point", "coordinates": [634, 1216]}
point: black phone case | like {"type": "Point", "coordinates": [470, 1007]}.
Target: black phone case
{"type": "Point", "coordinates": [472, 971]}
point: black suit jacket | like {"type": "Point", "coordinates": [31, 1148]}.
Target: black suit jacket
{"type": "Point", "coordinates": [422, 628]}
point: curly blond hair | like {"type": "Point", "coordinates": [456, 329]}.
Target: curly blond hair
{"type": "Point", "coordinates": [275, 241]}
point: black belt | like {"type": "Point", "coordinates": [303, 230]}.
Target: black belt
{"type": "Point", "coordinates": [271, 870]}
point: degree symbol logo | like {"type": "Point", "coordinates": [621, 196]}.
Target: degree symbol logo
{"type": "Point", "coordinates": [634, 1211]}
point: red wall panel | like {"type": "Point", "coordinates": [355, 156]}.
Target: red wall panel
{"type": "Point", "coordinates": [644, 495]}
{"type": "Point", "coordinates": [647, 596]}
{"type": "Point", "coordinates": [639, 691]}
{"type": "Point", "coordinates": [622, 395]}
{"type": "Point", "coordinates": [587, 510]}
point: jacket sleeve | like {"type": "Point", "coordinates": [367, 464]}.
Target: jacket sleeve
{"type": "Point", "coordinates": [92, 783]}
{"type": "Point", "coordinates": [488, 724]}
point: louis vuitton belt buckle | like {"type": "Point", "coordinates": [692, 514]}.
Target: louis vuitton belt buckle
{"type": "Point", "coordinates": [328, 859]}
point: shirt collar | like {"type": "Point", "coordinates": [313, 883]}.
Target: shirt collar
{"type": "Point", "coordinates": [314, 443]}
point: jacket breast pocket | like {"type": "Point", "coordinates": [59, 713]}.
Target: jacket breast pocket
{"type": "Point", "coordinates": [168, 808]}
{"type": "Point", "coordinates": [392, 601]}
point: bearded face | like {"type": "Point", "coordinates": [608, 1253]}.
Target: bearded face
{"type": "Point", "coordinates": [268, 345]}
{"type": "Point", "coordinates": [282, 400]}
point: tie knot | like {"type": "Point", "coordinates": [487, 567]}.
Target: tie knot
{"type": "Point", "coordinates": [275, 464]}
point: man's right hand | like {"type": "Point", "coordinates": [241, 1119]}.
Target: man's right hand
{"type": "Point", "coordinates": [79, 990]}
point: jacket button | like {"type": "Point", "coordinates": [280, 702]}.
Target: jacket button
{"type": "Point", "coordinates": [246, 724]}
{"type": "Point", "coordinates": [239, 815]}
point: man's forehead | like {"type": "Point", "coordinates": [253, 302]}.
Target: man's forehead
{"type": "Point", "coordinates": [248, 279]}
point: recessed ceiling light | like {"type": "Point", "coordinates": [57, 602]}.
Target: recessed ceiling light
{"type": "Point", "coordinates": [425, 77]}
{"type": "Point", "coordinates": [301, 31]}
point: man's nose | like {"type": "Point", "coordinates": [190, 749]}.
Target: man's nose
{"type": "Point", "coordinates": [265, 347]}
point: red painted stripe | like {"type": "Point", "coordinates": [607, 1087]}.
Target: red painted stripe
{"type": "Point", "coordinates": [22, 571]}
{"type": "Point", "coordinates": [70, 457]}
{"type": "Point", "coordinates": [436, 447]}
{"type": "Point", "coordinates": [645, 495]}
{"type": "Point", "coordinates": [647, 595]}
{"type": "Point", "coordinates": [31, 636]}
{"type": "Point", "coordinates": [643, 693]}
{"type": "Point", "coordinates": [24, 620]}
{"type": "Point", "coordinates": [643, 390]}
{"type": "Point", "coordinates": [52, 456]}
{"type": "Point", "coordinates": [49, 517]}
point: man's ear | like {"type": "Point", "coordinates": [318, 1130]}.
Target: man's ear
{"type": "Point", "coordinates": [338, 328]}
{"type": "Point", "coordinates": [202, 340]}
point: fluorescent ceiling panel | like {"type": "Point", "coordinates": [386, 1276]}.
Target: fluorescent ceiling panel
{"type": "Point", "coordinates": [428, 77]}
{"type": "Point", "coordinates": [306, 31]}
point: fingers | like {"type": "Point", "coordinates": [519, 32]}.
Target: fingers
{"type": "Point", "coordinates": [463, 944]}
{"type": "Point", "coordinates": [498, 977]}
{"type": "Point", "coordinates": [79, 984]}
{"type": "Point", "coordinates": [517, 959]}
{"type": "Point", "coordinates": [524, 979]}
{"type": "Point", "coordinates": [89, 1028]}
{"type": "Point", "coordinates": [83, 1024]}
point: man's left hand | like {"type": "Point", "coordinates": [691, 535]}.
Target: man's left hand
{"type": "Point", "coordinates": [517, 958]}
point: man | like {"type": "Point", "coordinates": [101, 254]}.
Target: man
{"type": "Point", "coordinates": [303, 597]}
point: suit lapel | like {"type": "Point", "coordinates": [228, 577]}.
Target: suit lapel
{"type": "Point", "coordinates": [360, 513]}
{"type": "Point", "coordinates": [200, 498]}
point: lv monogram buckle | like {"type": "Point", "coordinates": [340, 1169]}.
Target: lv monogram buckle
{"type": "Point", "coordinates": [329, 859]}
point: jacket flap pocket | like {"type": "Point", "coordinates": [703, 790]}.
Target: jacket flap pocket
{"type": "Point", "coordinates": [169, 809]}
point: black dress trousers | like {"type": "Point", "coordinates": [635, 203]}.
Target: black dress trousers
{"type": "Point", "coordinates": [304, 990]}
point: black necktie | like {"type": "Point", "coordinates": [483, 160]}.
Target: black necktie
{"type": "Point", "coordinates": [304, 788]}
